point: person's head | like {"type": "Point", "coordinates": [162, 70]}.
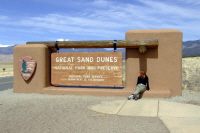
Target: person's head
{"type": "Point", "coordinates": [142, 73]}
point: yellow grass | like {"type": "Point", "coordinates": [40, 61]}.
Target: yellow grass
{"type": "Point", "coordinates": [9, 69]}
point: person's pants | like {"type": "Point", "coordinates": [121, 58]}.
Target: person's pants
{"type": "Point", "coordinates": [139, 89]}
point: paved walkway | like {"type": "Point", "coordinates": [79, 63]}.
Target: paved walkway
{"type": "Point", "coordinates": [178, 117]}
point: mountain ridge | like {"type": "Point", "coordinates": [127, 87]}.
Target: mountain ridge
{"type": "Point", "coordinates": [189, 48]}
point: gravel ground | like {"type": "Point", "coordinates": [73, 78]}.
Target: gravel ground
{"type": "Point", "coordinates": [30, 113]}
{"type": "Point", "coordinates": [188, 96]}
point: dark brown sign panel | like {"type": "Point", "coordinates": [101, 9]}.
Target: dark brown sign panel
{"type": "Point", "coordinates": [87, 69]}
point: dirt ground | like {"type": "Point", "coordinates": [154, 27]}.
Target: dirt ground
{"type": "Point", "coordinates": [8, 69]}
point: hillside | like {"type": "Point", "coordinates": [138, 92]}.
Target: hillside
{"type": "Point", "coordinates": [6, 53]}
{"type": "Point", "coordinates": [6, 50]}
{"type": "Point", "coordinates": [191, 48]}
{"type": "Point", "coordinates": [6, 58]}
{"type": "Point", "coordinates": [190, 73]}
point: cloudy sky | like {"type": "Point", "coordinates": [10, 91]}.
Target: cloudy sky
{"type": "Point", "coordinates": [49, 20]}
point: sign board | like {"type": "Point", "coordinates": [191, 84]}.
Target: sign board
{"type": "Point", "coordinates": [27, 67]}
{"type": "Point", "coordinates": [87, 69]}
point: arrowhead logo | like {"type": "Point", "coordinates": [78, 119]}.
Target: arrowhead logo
{"type": "Point", "coordinates": [27, 67]}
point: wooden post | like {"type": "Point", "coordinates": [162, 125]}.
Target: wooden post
{"type": "Point", "coordinates": [149, 43]}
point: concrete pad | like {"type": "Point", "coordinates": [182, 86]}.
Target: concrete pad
{"type": "Point", "coordinates": [182, 125]}
{"type": "Point", "coordinates": [140, 108]}
{"type": "Point", "coordinates": [172, 109]}
{"type": "Point", "coordinates": [178, 117]}
{"type": "Point", "coordinates": [108, 107]}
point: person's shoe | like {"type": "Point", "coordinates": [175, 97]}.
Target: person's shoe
{"type": "Point", "coordinates": [128, 98]}
{"type": "Point", "coordinates": [136, 98]}
{"type": "Point", "coordinates": [133, 96]}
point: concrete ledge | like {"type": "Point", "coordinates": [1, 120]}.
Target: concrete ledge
{"type": "Point", "coordinates": [157, 94]}
{"type": "Point", "coordinates": [103, 92]}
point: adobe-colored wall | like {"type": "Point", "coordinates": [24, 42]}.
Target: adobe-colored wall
{"type": "Point", "coordinates": [163, 64]}
{"type": "Point", "coordinates": [41, 77]}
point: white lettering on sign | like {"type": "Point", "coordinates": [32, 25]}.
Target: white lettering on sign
{"type": "Point", "coordinates": [108, 67]}
{"type": "Point", "coordinates": [74, 76]}
{"type": "Point", "coordinates": [63, 67]}
{"type": "Point", "coordinates": [97, 79]}
{"type": "Point", "coordinates": [85, 59]}
{"type": "Point", "coordinates": [79, 67]}
{"type": "Point", "coordinates": [91, 67]}
{"type": "Point", "coordinates": [97, 76]}
{"type": "Point", "coordinates": [106, 59]}
{"type": "Point", "coordinates": [64, 59]}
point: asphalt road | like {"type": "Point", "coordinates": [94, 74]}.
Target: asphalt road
{"type": "Point", "coordinates": [6, 83]}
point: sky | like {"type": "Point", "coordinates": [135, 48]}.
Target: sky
{"type": "Point", "coordinates": [48, 20]}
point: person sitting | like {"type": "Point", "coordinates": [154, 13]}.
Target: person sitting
{"type": "Point", "coordinates": [142, 85]}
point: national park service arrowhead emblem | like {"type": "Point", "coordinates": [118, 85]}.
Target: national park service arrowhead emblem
{"type": "Point", "coordinates": [27, 67]}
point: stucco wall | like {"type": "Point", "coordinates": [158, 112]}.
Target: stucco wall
{"type": "Point", "coordinates": [41, 76]}
{"type": "Point", "coordinates": [163, 64]}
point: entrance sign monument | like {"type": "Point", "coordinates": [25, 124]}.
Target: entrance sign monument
{"type": "Point", "coordinates": [159, 52]}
